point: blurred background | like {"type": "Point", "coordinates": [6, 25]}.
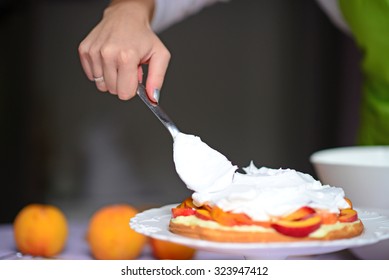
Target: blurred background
{"type": "Point", "coordinates": [268, 81]}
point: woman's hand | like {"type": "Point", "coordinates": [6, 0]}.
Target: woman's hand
{"type": "Point", "coordinates": [113, 52]}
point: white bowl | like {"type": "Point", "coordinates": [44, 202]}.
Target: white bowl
{"type": "Point", "coordinates": [363, 173]}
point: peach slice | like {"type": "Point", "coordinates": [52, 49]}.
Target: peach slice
{"type": "Point", "coordinates": [187, 203]}
{"type": "Point", "coordinates": [301, 228]}
{"type": "Point", "coordinates": [349, 202]}
{"type": "Point", "coordinates": [230, 219]}
{"type": "Point", "coordinates": [182, 212]}
{"type": "Point", "coordinates": [299, 214]}
{"type": "Point", "coordinates": [235, 219]}
{"type": "Point", "coordinates": [348, 216]}
{"type": "Point", "coordinates": [203, 214]}
{"type": "Point", "coordinates": [207, 207]}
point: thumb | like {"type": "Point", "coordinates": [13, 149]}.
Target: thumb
{"type": "Point", "coordinates": [156, 74]}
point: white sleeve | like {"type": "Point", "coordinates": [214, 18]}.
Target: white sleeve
{"type": "Point", "coordinates": [168, 12]}
{"type": "Point", "coordinates": [332, 9]}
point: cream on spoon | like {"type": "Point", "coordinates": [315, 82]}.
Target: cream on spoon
{"type": "Point", "coordinates": [199, 166]}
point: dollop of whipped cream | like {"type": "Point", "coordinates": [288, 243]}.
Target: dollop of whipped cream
{"type": "Point", "coordinates": [260, 193]}
{"type": "Point", "coordinates": [202, 168]}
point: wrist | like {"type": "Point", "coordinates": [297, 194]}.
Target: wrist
{"type": "Point", "coordinates": [142, 7]}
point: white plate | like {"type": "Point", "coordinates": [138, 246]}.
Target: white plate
{"type": "Point", "coordinates": [376, 251]}
{"type": "Point", "coordinates": [155, 223]}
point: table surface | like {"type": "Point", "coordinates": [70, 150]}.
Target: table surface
{"type": "Point", "coordinates": [77, 248]}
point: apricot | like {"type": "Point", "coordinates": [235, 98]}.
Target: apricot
{"type": "Point", "coordinates": [348, 215]}
{"type": "Point", "coordinates": [182, 212]}
{"type": "Point", "coordinates": [110, 236]}
{"type": "Point", "coordinates": [203, 214]}
{"type": "Point", "coordinates": [187, 203]}
{"type": "Point", "coordinates": [40, 230]}
{"type": "Point", "coordinates": [230, 219]}
{"type": "Point", "coordinates": [166, 250]}
{"type": "Point", "coordinates": [349, 202]}
{"type": "Point", "coordinates": [301, 213]}
{"type": "Point", "coordinates": [300, 228]}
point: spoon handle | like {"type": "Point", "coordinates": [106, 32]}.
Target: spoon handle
{"type": "Point", "coordinates": [157, 110]}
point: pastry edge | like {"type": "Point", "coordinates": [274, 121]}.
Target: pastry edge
{"type": "Point", "coordinates": [220, 235]}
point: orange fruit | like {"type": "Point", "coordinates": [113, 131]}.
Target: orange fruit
{"type": "Point", "coordinates": [40, 230]}
{"type": "Point", "coordinates": [110, 236]}
{"type": "Point", "coordinates": [166, 250]}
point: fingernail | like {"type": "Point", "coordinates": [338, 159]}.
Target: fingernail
{"type": "Point", "coordinates": [156, 94]}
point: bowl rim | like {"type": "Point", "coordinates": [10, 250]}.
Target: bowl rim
{"type": "Point", "coordinates": [320, 156]}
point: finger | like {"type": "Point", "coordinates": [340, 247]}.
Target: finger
{"type": "Point", "coordinates": [127, 78]}
{"type": "Point", "coordinates": [156, 74]}
{"type": "Point", "coordinates": [83, 52]}
{"type": "Point", "coordinates": [90, 61]}
{"type": "Point", "coordinates": [109, 69]}
{"type": "Point", "coordinates": [95, 61]}
{"type": "Point", "coordinates": [100, 84]}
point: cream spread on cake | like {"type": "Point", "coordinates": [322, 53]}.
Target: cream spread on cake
{"type": "Point", "coordinates": [260, 193]}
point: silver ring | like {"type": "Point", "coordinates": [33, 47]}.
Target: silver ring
{"type": "Point", "coordinates": [98, 79]}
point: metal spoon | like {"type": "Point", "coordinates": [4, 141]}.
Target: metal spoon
{"type": "Point", "coordinates": [157, 110]}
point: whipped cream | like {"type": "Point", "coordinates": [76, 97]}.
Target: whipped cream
{"type": "Point", "coordinates": [202, 168]}
{"type": "Point", "coordinates": [260, 193]}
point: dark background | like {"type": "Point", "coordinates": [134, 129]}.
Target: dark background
{"type": "Point", "coordinates": [268, 81]}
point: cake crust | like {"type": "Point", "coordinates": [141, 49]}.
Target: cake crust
{"type": "Point", "coordinates": [349, 230]}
